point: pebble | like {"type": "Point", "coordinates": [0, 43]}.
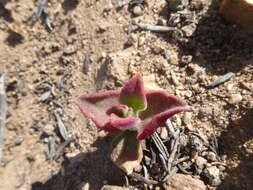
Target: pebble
{"type": "Point", "coordinates": [187, 120]}
{"type": "Point", "coordinates": [174, 79]}
{"type": "Point", "coordinates": [86, 186]}
{"type": "Point", "coordinates": [162, 22]}
{"type": "Point", "coordinates": [69, 50]}
{"type": "Point", "coordinates": [18, 141]}
{"type": "Point", "coordinates": [137, 10]}
{"type": "Point", "coordinates": [230, 87]}
{"type": "Point", "coordinates": [138, 169]}
{"type": "Point", "coordinates": [141, 41]}
{"type": "Point", "coordinates": [48, 129]}
{"type": "Point", "coordinates": [213, 175]}
{"type": "Point", "coordinates": [157, 49]}
{"type": "Point", "coordinates": [189, 29]}
{"type": "Point", "coordinates": [200, 162]}
{"type": "Point", "coordinates": [196, 143]}
{"type": "Point", "coordinates": [235, 98]}
{"type": "Point", "coordinates": [121, 3]}
{"type": "Point", "coordinates": [211, 156]}
{"type": "Point", "coordinates": [147, 160]}
{"type": "Point", "coordinates": [184, 182]}
{"type": "Point", "coordinates": [222, 168]}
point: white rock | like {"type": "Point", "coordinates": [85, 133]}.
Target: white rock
{"type": "Point", "coordinates": [211, 156]}
{"type": "Point", "coordinates": [86, 186]}
{"type": "Point", "coordinates": [235, 98]}
{"type": "Point", "coordinates": [200, 162]}
{"type": "Point", "coordinates": [48, 129]}
{"type": "Point", "coordinates": [137, 11]}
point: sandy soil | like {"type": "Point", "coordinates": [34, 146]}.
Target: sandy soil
{"type": "Point", "coordinates": [94, 46]}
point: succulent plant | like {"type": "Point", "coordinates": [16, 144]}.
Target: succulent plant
{"type": "Point", "coordinates": [132, 112]}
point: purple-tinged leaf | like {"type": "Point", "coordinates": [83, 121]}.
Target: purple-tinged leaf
{"type": "Point", "coordinates": [123, 123]}
{"type": "Point", "coordinates": [126, 151]}
{"type": "Point", "coordinates": [99, 106]}
{"type": "Point", "coordinates": [161, 106]}
{"type": "Point", "coordinates": [133, 95]}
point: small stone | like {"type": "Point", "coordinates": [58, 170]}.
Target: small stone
{"type": "Point", "coordinates": [157, 49]}
{"type": "Point", "coordinates": [189, 29]}
{"type": "Point", "coordinates": [200, 162]}
{"type": "Point", "coordinates": [109, 6]}
{"type": "Point", "coordinates": [174, 79]}
{"type": "Point", "coordinates": [113, 187]}
{"type": "Point", "coordinates": [172, 58]}
{"type": "Point", "coordinates": [48, 129]}
{"type": "Point", "coordinates": [162, 22]}
{"type": "Point", "coordinates": [69, 50]}
{"type": "Point", "coordinates": [184, 182]}
{"type": "Point", "coordinates": [103, 26]}
{"type": "Point", "coordinates": [141, 41]}
{"type": "Point", "coordinates": [213, 175]}
{"type": "Point", "coordinates": [86, 186]}
{"type": "Point", "coordinates": [187, 118]}
{"type": "Point", "coordinates": [230, 87]}
{"type": "Point", "coordinates": [18, 141]}
{"type": "Point", "coordinates": [103, 54]}
{"type": "Point", "coordinates": [137, 10]}
{"type": "Point", "coordinates": [235, 98]}
{"type": "Point", "coordinates": [121, 3]}
{"type": "Point", "coordinates": [222, 168]}
{"type": "Point", "coordinates": [138, 169]}
{"type": "Point", "coordinates": [211, 156]}
{"type": "Point", "coordinates": [116, 71]}
{"type": "Point", "coordinates": [196, 143]}
{"type": "Point", "coordinates": [216, 182]}
{"type": "Point", "coordinates": [102, 133]}
{"type": "Point", "coordinates": [147, 160]}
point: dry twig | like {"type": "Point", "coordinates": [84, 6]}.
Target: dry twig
{"type": "Point", "coordinates": [157, 28]}
{"type": "Point", "coordinates": [222, 79]}
{"type": "Point", "coordinates": [142, 179]}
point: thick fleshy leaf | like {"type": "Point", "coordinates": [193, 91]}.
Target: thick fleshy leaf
{"type": "Point", "coordinates": [161, 106]}
{"type": "Point", "coordinates": [99, 106]}
{"type": "Point", "coordinates": [123, 123]}
{"type": "Point", "coordinates": [133, 95]}
{"type": "Point", "coordinates": [126, 151]}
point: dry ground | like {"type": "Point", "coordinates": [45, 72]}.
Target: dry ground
{"type": "Point", "coordinates": [95, 46]}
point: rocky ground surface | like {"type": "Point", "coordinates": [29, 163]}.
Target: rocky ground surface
{"type": "Point", "coordinates": [76, 47]}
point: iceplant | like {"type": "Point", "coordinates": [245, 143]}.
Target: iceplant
{"type": "Point", "coordinates": [131, 112]}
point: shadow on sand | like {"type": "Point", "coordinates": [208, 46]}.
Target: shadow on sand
{"type": "Point", "coordinates": [232, 141]}
{"type": "Point", "coordinates": [92, 167]}
{"type": "Point", "coordinates": [216, 45]}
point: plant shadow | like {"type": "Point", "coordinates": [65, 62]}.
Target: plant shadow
{"type": "Point", "coordinates": [233, 144]}
{"type": "Point", "coordinates": [94, 168]}
{"type": "Point", "coordinates": [216, 45]}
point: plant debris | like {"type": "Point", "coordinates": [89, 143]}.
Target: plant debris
{"type": "Point", "coordinates": [157, 28]}
{"type": "Point", "coordinates": [222, 79]}
{"type": "Point", "coordinates": [171, 157]}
